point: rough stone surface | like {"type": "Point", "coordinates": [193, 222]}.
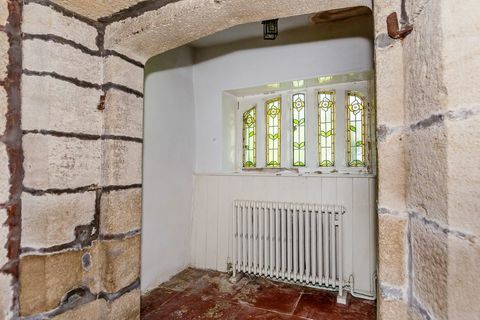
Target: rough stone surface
{"type": "Point", "coordinates": [119, 71]}
{"type": "Point", "coordinates": [6, 296]}
{"type": "Point", "coordinates": [389, 87]}
{"type": "Point", "coordinates": [425, 92]}
{"type": "Point", "coordinates": [4, 46]}
{"type": "Point", "coordinates": [3, 237]}
{"type": "Point", "coordinates": [4, 174]}
{"type": "Point", "coordinates": [62, 59]}
{"type": "Point", "coordinates": [45, 279]}
{"type": "Point", "coordinates": [133, 36]}
{"type": "Point", "coordinates": [427, 174]}
{"type": "Point", "coordinates": [461, 52]}
{"type": "Point", "coordinates": [391, 171]}
{"type": "Point", "coordinates": [3, 109]}
{"type": "Point", "coordinates": [463, 174]}
{"type": "Point", "coordinates": [126, 307]}
{"type": "Point", "coordinates": [392, 309]}
{"type": "Point", "coordinates": [121, 266]}
{"type": "Point", "coordinates": [123, 114]}
{"type": "Point", "coordinates": [392, 250]}
{"type": "Point", "coordinates": [40, 19]}
{"type": "Point", "coordinates": [3, 12]}
{"type": "Point", "coordinates": [463, 266]}
{"type": "Point", "coordinates": [430, 267]}
{"type": "Point", "coordinates": [90, 311]}
{"type": "Point", "coordinates": [50, 220]}
{"type": "Point", "coordinates": [122, 162]}
{"type": "Point", "coordinates": [52, 104]}
{"type": "Point", "coordinates": [96, 9]}
{"type": "Point", "coordinates": [121, 211]}
{"type": "Point", "coordinates": [57, 162]}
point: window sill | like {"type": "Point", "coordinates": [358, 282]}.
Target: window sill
{"type": "Point", "coordinates": [271, 172]}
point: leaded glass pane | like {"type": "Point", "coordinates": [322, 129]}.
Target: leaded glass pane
{"type": "Point", "coordinates": [249, 138]}
{"type": "Point", "coordinates": [273, 116]}
{"type": "Point", "coordinates": [298, 125]}
{"type": "Point", "coordinates": [326, 128]}
{"type": "Point", "coordinates": [355, 129]}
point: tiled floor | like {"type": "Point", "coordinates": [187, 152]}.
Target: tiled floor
{"type": "Point", "coordinates": [199, 294]}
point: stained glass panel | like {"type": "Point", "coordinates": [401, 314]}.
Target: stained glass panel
{"type": "Point", "coordinates": [273, 141]}
{"type": "Point", "coordinates": [298, 125]}
{"type": "Point", "coordinates": [355, 129]}
{"type": "Point", "coordinates": [326, 128]}
{"type": "Point", "coordinates": [249, 138]}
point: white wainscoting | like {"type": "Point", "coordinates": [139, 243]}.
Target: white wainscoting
{"type": "Point", "coordinates": [212, 215]}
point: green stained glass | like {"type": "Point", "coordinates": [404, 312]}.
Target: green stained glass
{"type": "Point", "coordinates": [355, 129]}
{"type": "Point", "coordinates": [249, 138]}
{"type": "Point", "coordinates": [273, 132]}
{"type": "Point", "coordinates": [326, 128]}
{"type": "Point", "coordinates": [298, 125]}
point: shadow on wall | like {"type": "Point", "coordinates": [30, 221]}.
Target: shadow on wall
{"type": "Point", "coordinates": [360, 27]}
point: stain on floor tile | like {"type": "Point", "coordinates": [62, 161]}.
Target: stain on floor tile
{"type": "Point", "coordinates": [204, 294]}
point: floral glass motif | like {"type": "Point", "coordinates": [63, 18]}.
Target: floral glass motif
{"type": "Point", "coordinates": [273, 143]}
{"type": "Point", "coordinates": [355, 129]}
{"type": "Point", "coordinates": [298, 126]}
{"type": "Point", "coordinates": [249, 138]}
{"type": "Point", "coordinates": [326, 128]}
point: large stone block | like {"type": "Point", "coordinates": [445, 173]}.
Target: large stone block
{"type": "Point", "coordinates": [96, 9]}
{"type": "Point", "coordinates": [463, 175]}
{"type": "Point", "coordinates": [125, 307]}
{"type": "Point", "coordinates": [392, 252]}
{"type": "Point", "coordinates": [58, 162]}
{"type": "Point", "coordinates": [123, 114]}
{"type": "Point", "coordinates": [119, 71]}
{"type": "Point", "coordinates": [427, 179]}
{"type": "Point", "coordinates": [4, 47]}
{"type": "Point", "coordinates": [65, 60]}
{"type": "Point", "coordinates": [45, 279]}
{"type": "Point", "coordinates": [50, 220]}
{"type": "Point", "coordinates": [4, 174]}
{"type": "Point", "coordinates": [3, 109]}
{"type": "Point", "coordinates": [40, 19]}
{"type": "Point", "coordinates": [461, 53]}
{"type": "Point", "coordinates": [3, 12]}
{"type": "Point", "coordinates": [3, 238]}
{"type": "Point", "coordinates": [390, 84]}
{"type": "Point", "coordinates": [122, 162]}
{"type": "Point", "coordinates": [430, 267]}
{"type": "Point", "coordinates": [121, 211]}
{"type": "Point", "coordinates": [392, 171]}
{"type": "Point", "coordinates": [425, 89]}
{"type": "Point", "coordinates": [90, 311]}
{"type": "Point", "coordinates": [392, 309]}
{"type": "Point", "coordinates": [463, 267]}
{"type": "Point", "coordinates": [121, 263]}
{"type": "Point", "coordinates": [52, 104]}
{"type": "Point", "coordinates": [6, 296]}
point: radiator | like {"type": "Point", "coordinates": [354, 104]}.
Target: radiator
{"type": "Point", "coordinates": [289, 241]}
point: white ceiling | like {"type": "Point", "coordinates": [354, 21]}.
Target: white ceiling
{"type": "Point", "coordinates": [250, 31]}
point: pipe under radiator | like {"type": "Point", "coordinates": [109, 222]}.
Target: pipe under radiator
{"type": "Point", "coordinates": [289, 241]}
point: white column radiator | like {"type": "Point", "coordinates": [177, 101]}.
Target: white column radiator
{"type": "Point", "coordinates": [289, 241]}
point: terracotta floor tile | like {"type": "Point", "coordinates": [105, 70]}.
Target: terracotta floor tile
{"type": "Point", "coordinates": [196, 294]}
{"type": "Point", "coordinates": [269, 295]}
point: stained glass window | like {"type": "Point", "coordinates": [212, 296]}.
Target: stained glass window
{"type": "Point", "coordinates": [273, 141]}
{"type": "Point", "coordinates": [298, 126]}
{"type": "Point", "coordinates": [249, 138]}
{"type": "Point", "coordinates": [355, 129]}
{"type": "Point", "coordinates": [326, 128]}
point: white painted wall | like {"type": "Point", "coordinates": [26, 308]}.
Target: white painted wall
{"type": "Point", "coordinates": [169, 156]}
{"type": "Point", "coordinates": [225, 67]}
{"type": "Point", "coordinates": [214, 194]}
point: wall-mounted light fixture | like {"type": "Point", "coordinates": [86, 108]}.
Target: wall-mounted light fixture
{"type": "Point", "coordinates": [270, 29]}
